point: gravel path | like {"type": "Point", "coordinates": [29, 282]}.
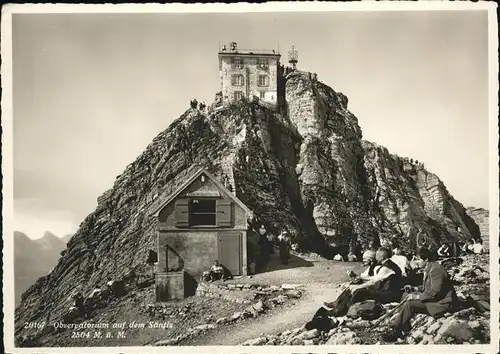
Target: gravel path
{"type": "Point", "coordinates": [319, 280]}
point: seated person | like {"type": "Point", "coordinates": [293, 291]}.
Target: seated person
{"type": "Point", "coordinates": [395, 248]}
{"type": "Point", "coordinates": [368, 260]}
{"type": "Point", "coordinates": [444, 251]}
{"type": "Point", "coordinates": [477, 247]}
{"type": "Point", "coordinates": [205, 276]}
{"type": "Point", "coordinates": [338, 257]}
{"type": "Point", "coordinates": [402, 262]}
{"type": "Point", "coordinates": [383, 282]}
{"type": "Point", "coordinates": [351, 257]}
{"type": "Point", "coordinates": [216, 271]}
{"type": "Point", "coordinates": [436, 296]}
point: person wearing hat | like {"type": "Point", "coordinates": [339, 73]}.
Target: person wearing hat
{"type": "Point", "coordinates": [380, 281]}
{"type": "Point", "coordinates": [283, 247]}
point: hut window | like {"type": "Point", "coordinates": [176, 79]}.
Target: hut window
{"type": "Point", "coordinates": [202, 212]}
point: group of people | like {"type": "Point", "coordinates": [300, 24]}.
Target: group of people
{"type": "Point", "coordinates": [267, 244]}
{"type": "Point", "coordinates": [390, 278]}
{"type": "Point", "coordinates": [455, 249]}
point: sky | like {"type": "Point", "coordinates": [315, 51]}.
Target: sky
{"type": "Point", "coordinates": [90, 91]}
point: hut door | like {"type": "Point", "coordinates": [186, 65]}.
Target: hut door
{"type": "Point", "coordinates": [230, 251]}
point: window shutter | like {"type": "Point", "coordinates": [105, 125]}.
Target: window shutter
{"type": "Point", "coordinates": [182, 213]}
{"type": "Point", "coordinates": [223, 213]}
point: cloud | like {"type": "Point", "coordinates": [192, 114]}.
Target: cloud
{"type": "Point", "coordinates": [32, 218]}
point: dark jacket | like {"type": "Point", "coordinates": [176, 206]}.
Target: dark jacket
{"type": "Point", "coordinates": [438, 293]}
{"type": "Point", "coordinates": [393, 282]}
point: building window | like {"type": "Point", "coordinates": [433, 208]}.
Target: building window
{"type": "Point", "coordinates": [263, 80]}
{"type": "Point", "coordinates": [237, 80]}
{"type": "Point", "coordinates": [262, 95]}
{"type": "Point", "coordinates": [263, 63]}
{"type": "Point", "coordinates": [237, 63]}
{"type": "Point", "coordinates": [202, 212]}
{"type": "Point", "coordinates": [238, 95]}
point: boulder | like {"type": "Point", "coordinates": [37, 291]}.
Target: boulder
{"type": "Point", "coordinates": [167, 342]}
{"type": "Point", "coordinates": [236, 316]}
{"type": "Point", "coordinates": [289, 286]}
{"type": "Point", "coordinates": [343, 338]}
{"type": "Point", "coordinates": [259, 307]}
{"type": "Point", "coordinates": [205, 327]}
{"type": "Point", "coordinates": [280, 299]}
{"type": "Point", "coordinates": [221, 320]}
{"type": "Point", "coordinates": [249, 312]}
{"type": "Point", "coordinates": [293, 294]}
{"type": "Point", "coordinates": [432, 329]}
{"type": "Point", "coordinates": [313, 333]}
{"type": "Point", "coordinates": [313, 341]}
{"type": "Point", "coordinates": [256, 341]}
{"type": "Point", "coordinates": [457, 329]}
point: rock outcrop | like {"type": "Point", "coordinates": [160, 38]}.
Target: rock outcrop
{"type": "Point", "coordinates": [305, 169]}
{"type": "Point", "coordinates": [481, 217]}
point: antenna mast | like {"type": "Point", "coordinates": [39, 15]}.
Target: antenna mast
{"type": "Point", "coordinates": [293, 57]}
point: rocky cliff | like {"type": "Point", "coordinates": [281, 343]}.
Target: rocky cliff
{"type": "Point", "coordinates": [305, 169]}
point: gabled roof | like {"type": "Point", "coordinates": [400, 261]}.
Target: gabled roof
{"type": "Point", "coordinates": [198, 172]}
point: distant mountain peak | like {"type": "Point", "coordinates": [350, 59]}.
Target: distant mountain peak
{"type": "Point", "coordinates": [49, 235]}
{"type": "Point", "coordinates": [20, 234]}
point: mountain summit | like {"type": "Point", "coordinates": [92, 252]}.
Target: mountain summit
{"type": "Point", "coordinates": [305, 169]}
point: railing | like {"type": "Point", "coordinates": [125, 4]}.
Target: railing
{"type": "Point", "coordinates": [250, 51]}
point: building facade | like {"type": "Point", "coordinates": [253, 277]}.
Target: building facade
{"type": "Point", "coordinates": [247, 73]}
{"type": "Point", "coordinates": [200, 222]}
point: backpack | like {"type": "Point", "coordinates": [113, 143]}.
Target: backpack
{"type": "Point", "coordinates": [367, 310]}
{"type": "Point", "coordinates": [321, 321]}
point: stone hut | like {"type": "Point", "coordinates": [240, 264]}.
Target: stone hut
{"type": "Point", "coordinates": [201, 221]}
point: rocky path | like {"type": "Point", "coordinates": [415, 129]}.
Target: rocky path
{"type": "Point", "coordinates": [320, 282]}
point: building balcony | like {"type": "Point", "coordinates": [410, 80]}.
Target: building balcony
{"type": "Point", "coordinates": [267, 52]}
